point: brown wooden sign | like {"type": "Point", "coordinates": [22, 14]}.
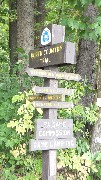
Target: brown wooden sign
{"type": "Point", "coordinates": [54, 97]}
{"type": "Point", "coordinates": [57, 54]}
{"type": "Point", "coordinates": [52, 144]}
{"type": "Point", "coordinates": [54, 124]}
{"type": "Point", "coordinates": [55, 133]}
{"type": "Point", "coordinates": [52, 74]}
{"type": "Point", "coordinates": [52, 105]}
{"type": "Point", "coordinates": [49, 90]}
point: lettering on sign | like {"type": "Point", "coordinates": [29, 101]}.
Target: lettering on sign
{"type": "Point", "coordinates": [52, 105]}
{"type": "Point", "coordinates": [57, 54]}
{"type": "Point", "coordinates": [54, 124]}
{"type": "Point", "coordinates": [49, 90]}
{"type": "Point", "coordinates": [53, 74]}
{"type": "Point", "coordinates": [52, 144]}
{"type": "Point", "coordinates": [55, 133]}
{"type": "Point", "coordinates": [45, 97]}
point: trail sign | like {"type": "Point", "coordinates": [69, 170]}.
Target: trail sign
{"type": "Point", "coordinates": [49, 90]}
{"type": "Point", "coordinates": [52, 74]}
{"type": "Point", "coordinates": [45, 37]}
{"type": "Point", "coordinates": [52, 104]}
{"type": "Point", "coordinates": [52, 144]}
{"type": "Point", "coordinates": [57, 54]}
{"type": "Point", "coordinates": [54, 97]}
{"type": "Point", "coordinates": [54, 124]}
{"type": "Point", "coordinates": [54, 32]}
{"type": "Point", "coordinates": [53, 134]}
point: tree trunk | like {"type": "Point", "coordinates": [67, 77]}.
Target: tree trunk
{"type": "Point", "coordinates": [40, 13]}
{"type": "Point", "coordinates": [25, 23]}
{"type": "Point", "coordinates": [87, 56]}
{"type": "Point", "coordinates": [12, 35]}
{"type": "Point", "coordinates": [96, 133]}
{"type": "Point", "coordinates": [86, 62]}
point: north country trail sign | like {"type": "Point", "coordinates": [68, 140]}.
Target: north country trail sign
{"type": "Point", "coordinates": [57, 54]}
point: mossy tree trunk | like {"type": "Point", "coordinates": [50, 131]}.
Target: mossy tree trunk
{"type": "Point", "coordinates": [96, 133]}
{"type": "Point", "coordinates": [25, 24]}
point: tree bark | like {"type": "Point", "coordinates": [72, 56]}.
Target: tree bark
{"type": "Point", "coordinates": [96, 133]}
{"type": "Point", "coordinates": [87, 56]}
{"type": "Point", "coordinates": [12, 35]}
{"type": "Point", "coordinates": [86, 63]}
{"type": "Point", "coordinates": [25, 23]}
{"type": "Point", "coordinates": [40, 13]}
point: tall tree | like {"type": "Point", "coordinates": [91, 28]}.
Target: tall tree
{"type": "Point", "coordinates": [39, 17]}
{"type": "Point", "coordinates": [87, 55]}
{"type": "Point", "coordinates": [25, 23]}
{"type": "Point", "coordinates": [96, 133]}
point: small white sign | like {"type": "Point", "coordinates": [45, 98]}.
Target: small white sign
{"type": "Point", "coordinates": [46, 36]}
{"type": "Point", "coordinates": [98, 102]}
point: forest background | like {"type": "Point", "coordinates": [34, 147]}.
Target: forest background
{"type": "Point", "coordinates": [20, 24]}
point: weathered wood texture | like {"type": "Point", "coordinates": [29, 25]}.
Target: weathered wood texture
{"type": "Point", "coordinates": [53, 74]}
{"type": "Point", "coordinates": [52, 144]}
{"type": "Point", "coordinates": [47, 165]}
{"type": "Point", "coordinates": [49, 90]}
{"type": "Point", "coordinates": [58, 54]}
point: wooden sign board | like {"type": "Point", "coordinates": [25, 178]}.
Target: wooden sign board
{"type": "Point", "coordinates": [51, 144]}
{"type": "Point", "coordinates": [55, 97]}
{"type": "Point", "coordinates": [49, 90]}
{"type": "Point", "coordinates": [52, 74]}
{"type": "Point", "coordinates": [52, 105]}
{"type": "Point", "coordinates": [57, 54]}
{"type": "Point", "coordinates": [54, 124]}
{"type": "Point", "coordinates": [53, 134]}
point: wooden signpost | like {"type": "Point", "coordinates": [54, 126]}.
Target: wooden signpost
{"type": "Point", "coordinates": [52, 133]}
{"type": "Point", "coordinates": [49, 97]}
{"type": "Point", "coordinates": [54, 124]}
{"type": "Point", "coordinates": [57, 54]}
{"type": "Point", "coordinates": [49, 90]}
{"type": "Point", "coordinates": [53, 74]}
{"type": "Point", "coordinates": [52, 104]}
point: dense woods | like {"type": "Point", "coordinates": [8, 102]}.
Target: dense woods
{"type": "Point", "coordinates": [20, 24]}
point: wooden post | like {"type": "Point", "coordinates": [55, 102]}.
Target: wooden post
{"type": "Point", "coordinates": [51, 35]}
{"type": "Point", "coordinates": [49, 157]}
